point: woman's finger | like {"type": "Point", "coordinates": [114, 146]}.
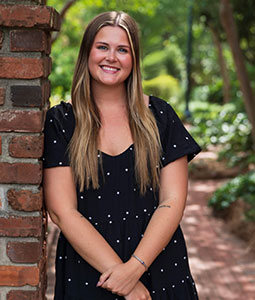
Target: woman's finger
{"type": "Point", "coordinates": [103, 277]}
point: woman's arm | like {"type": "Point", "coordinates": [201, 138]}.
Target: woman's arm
{"type": "Point", "coordinates": [163, 223]}
{"type": "Point", "coordinates": [61, 202]}
{"type": "Point", "coordinates": [166, 218]}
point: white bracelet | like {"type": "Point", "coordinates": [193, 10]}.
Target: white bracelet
{"type": "Point", "coordinates": [141, 261]}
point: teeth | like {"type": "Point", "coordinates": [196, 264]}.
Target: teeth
{"type": "Point", "coordinates": [109, 68]}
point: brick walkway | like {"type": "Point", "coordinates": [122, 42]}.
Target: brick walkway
{"type": "Point", "coordinates": [220, 263]}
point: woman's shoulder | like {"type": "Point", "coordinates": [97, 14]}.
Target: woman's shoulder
{"type": "Point", "coordinates": [62, 112]}
{"type": "Point", "coordinates": [161, 109]}
{"type": "Point", "coordinates": [60, 117]}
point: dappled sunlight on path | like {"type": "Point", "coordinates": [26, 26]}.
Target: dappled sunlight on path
{"type": "Point", "coordinates": [221, 263]}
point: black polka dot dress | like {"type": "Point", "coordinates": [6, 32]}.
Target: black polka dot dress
{"type": "Point", "coordinates": [119, 212]}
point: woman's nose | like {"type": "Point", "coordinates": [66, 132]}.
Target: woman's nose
{"type": "Point", "coordinates": [111, 56]}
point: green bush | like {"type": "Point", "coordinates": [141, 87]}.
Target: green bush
{"type": "Point", "coordinates": [215, 93]}
{"type": "Point", "coordinates": [226, 126]}
{"type": "Point", "coordinates": [169, 60]}
{"type": "Point", "coordinates": [163, 86]}
{"type": "Point", "coordinates": [241, 187]}
{"type": "Point", "coordinates": [62, 71]}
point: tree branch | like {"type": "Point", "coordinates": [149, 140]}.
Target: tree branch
{"type": "Point", "coordinates": [62, 15]}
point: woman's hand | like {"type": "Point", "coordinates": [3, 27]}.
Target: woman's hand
{"type": "Point", "coordinates": [121, 278]}
{"type": "Point", "coordinates": [139, 292]}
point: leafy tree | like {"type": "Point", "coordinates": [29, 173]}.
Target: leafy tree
{"type": "Point", "coordinates": [169, 61]}
{"type": "Point", "coordinates": [228, 22]}
{"type": "Point", "coordinates": [165, 86]}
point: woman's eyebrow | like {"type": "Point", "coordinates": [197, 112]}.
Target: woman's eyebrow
{"type": "Point", "coordinates": [104, 43]}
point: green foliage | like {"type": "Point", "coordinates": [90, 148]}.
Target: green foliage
{"type": "Point", "coordinates": [215, 93]}
{"type": "Point", "coordinates": [245, 21]}
{"type": "Point", "coordinates": [63, 68]}
{"type": "Point", "coordinates": [205, 67]}
{"type": "Point", "coordinates": [163, 86]}
{"type": "Point", "coordinates": [154, 64]}
{"type": "Point", "coordinates": [226, 126]}
{"type": "Point", "coordinates": [169, 60]}
{"type": "Point", "coordinates": [242, 187]}
{"type": "Point", "coordinates": [244, 15]}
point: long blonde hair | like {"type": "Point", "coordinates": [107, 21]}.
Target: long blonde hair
{"type": "Point", "coordinates": [83, 147]}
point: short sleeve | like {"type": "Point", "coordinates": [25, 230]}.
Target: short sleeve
{"type": "Point", "coordinates": [176, 141]}
{"type": "Point", "coordinates": [55, 152]}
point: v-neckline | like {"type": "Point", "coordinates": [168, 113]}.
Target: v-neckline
{"type": "Point", "coordinates": [130, 148]}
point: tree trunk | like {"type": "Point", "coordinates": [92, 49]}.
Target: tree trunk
{"type": "Point", "coordinates": [222, 63]}
{"type": "Point", "coordinates": [229, 25]}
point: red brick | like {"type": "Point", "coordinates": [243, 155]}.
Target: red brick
{"type": "Point", "coordinates": [21, 121]}
{"type": "Point", "coordinates": [45, 90]}
{"type": "Point", "coordinates": [25, 200]}
{"type": "Point", "coordinates": [23, 295]}
{"type": "Point", "coordinates": [26, 146]}
{"type": "Point", "coordinates": [23, 252]}
{"type": "Point", "coordinates": [30, 40]}
{"type": "Point", "coordinates": [1, 38]}
{"type": "Point", "coordinates": [24, 67]}
{"type": "Point", "coordinates": [29, 16]}
{"type": "Point", "coordinates": [0, 145]}
{"type": "Point", "coordinates": [21, 226]}
{"type": "Point", "coordinates": [26, 96]}
{"type": "Point", "coordinates": [2, 95]}
{"type": "Point", "coordinates": [18, 276]}
{"type": "Point", "coordinates": [20, 173]}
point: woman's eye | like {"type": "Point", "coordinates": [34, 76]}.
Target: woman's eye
{"type": "Point", "coordinates": [101, 47]}
{"type": "Point", "coordinates": [123, 50]}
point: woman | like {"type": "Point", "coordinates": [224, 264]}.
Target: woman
{"type": "Point", "coordinates": [115, 177]}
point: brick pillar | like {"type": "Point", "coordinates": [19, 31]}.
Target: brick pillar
{"type": "Point", "coordinates": [24, 91]}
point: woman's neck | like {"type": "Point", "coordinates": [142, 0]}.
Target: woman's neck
{"type": "Point", "coordinates": [109, 96]}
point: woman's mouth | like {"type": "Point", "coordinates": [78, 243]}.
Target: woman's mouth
{"type": "Point", "coordinates": [109, 69]}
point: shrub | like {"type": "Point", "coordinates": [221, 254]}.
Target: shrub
{"type": "Point", "coordinates": [226, 126]}
{"type": "Point", "coordinates": [241, 187]}
{"type": "Point", "coordinates": [163, 86]}
{"type": "Point", "coordinates": [169, 60]}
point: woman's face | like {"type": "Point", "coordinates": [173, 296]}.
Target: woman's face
{"type": "Point", "coordinates": [110, 58]}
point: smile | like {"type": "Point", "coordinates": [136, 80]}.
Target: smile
{"type": "Point", "coordinates": [111, 69]}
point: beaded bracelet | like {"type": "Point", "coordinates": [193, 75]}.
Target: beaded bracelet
{"type": "Point", "coordinates": [141, 261]}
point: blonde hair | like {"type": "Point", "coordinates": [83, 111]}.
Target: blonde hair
{"type": "Point", "coordinates": [83, 147]}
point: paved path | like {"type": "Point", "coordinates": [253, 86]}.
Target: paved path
{"type": "Point", "coordinates": [221, 264]}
